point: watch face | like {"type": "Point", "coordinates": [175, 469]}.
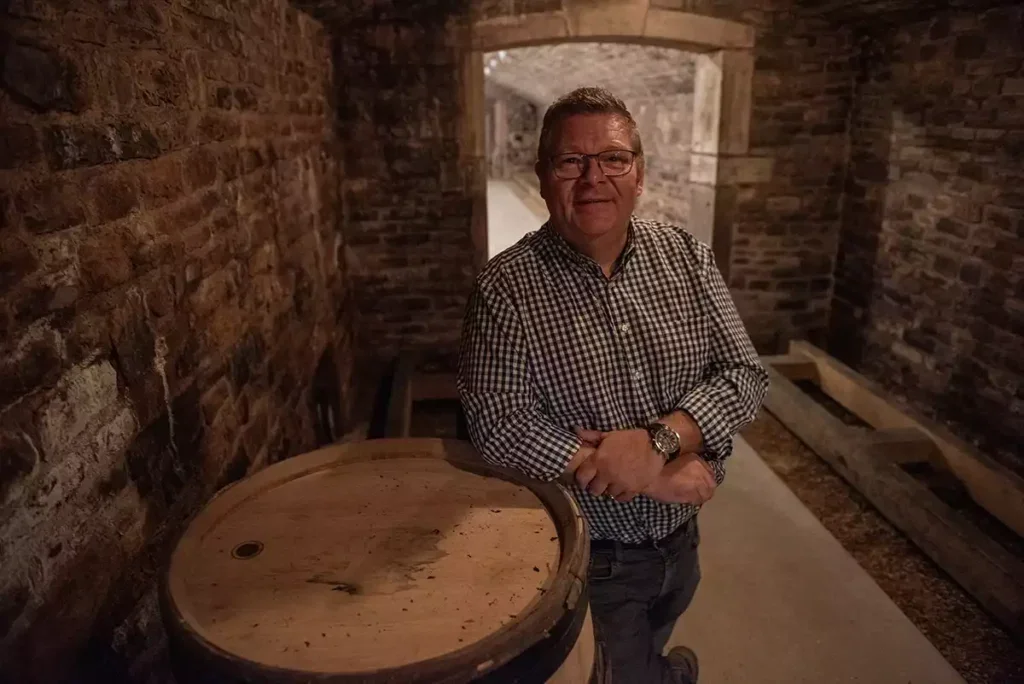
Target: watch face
{"type": "Point", "coordinates": [666, 441]}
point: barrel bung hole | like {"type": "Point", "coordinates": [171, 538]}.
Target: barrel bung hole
{"type": "Point", "coordinates": [247, 550]}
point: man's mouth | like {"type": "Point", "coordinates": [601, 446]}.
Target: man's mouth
{"type": "Point", "coordinates": [591, 201]}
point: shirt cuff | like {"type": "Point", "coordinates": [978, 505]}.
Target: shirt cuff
{"type": "Point", "coordinates": [559, 446]}
{"type": "Point", "coordinates": [705, 412]}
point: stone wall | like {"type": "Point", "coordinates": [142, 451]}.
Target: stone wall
{"type": "Point", "coordinates": [169, 277]}
{"type": "Point", "coordinates": [785, 202]}
{"type": "Point", "coordinates": [929, 295]}
{"type": "Point", "coordinates": [665, 121]}
{"type": "Point", "coordinates": [513, 133]}
{"type": "Point", "coordinates": [409, 190]}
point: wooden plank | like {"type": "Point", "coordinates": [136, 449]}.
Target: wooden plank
{"type": "Point", "coordinates": [870, 462]}
{"type": "Point", "coordinates": [793, 366]}
{"type": "Point", "coordinates": [993, 486]}
{"type": "Point", "coordinates": [434, 386]}
{"type": "Point", "coordinates": [399, 413]}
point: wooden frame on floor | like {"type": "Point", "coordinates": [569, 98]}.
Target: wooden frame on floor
{"type": "Point", "coordinates": [885, 458]}
{"type": "Point", "coordinates": [407, 385]}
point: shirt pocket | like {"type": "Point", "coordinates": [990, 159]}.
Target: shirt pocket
{"type": "Point", "coordinates": [682, 346]}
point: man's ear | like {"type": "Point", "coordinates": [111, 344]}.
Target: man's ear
{"type": "Point", "coordinates": [538, 169]}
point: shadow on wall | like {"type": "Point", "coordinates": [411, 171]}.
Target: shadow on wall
{"type": "Point", "coordinates": [858, 266]}
{"type": "Point", "coordinates": [929, 266]}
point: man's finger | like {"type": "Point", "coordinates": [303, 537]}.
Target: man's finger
{"type": "Point", "coordinates": [585, 473]}
{"type": "Point", "coordinates": [615, 491]}
{"type": "Point", "coordinates": [591, 437]}
{"type": "Point", "coordinates": [598, 486]}
{"type": "Point", "coordinates": [626, 496]}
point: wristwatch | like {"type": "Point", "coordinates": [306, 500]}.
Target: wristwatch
{"type": "Point", "coordinates": [664, 439]}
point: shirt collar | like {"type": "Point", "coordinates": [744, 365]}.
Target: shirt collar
{"type": "Point", "coordinates": [562, 247]}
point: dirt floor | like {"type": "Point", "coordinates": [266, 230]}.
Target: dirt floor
{"type": "Point", "coordinates": [959, 628]}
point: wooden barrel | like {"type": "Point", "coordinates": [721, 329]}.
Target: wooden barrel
{"type": "Point", "coordinates": [388, 560]}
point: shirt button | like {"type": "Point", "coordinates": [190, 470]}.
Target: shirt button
{"type": "Point", "coordinates": [624, 327]}
{"type": "Point", "coordinates": [638, 374]}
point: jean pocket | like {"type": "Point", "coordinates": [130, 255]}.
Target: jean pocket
{"type": "Point", "coordinates": [602, 567]}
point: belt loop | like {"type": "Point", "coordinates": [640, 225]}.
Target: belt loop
{"type": "Point", "coordinates": [618, 550]}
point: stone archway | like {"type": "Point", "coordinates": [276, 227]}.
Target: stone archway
{"type": "Point", "coordinates": [722, 96]}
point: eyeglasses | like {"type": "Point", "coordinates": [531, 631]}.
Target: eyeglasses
{"type": "Point", "coordinates": [612, 162]}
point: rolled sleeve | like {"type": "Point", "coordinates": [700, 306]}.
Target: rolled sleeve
{"type": "Point", "coordinates": [504, 414]}
{"type": "Point", "coordinates": [734, 383]}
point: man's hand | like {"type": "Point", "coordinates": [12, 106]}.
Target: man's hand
{"type": "Point", "coordinates": [623, 463]}
{"type": "Point", "coordinates": [687, 479]}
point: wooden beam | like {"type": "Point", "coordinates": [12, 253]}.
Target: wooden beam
{"type": "Point", "coordinates": [995, 487]}
{"type": "Point", "coordinates": [871, 462]}
{"type": "Point", "coordinates": [902, 445]}
{"type": "Point", "coordinates": [793, 366]}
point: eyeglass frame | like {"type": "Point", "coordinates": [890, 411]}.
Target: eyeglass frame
{"type": "Point", "coordinates": [582, 166]}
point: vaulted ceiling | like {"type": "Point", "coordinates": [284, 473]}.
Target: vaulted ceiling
{"type": "Point", "coordinates": [543, 73]}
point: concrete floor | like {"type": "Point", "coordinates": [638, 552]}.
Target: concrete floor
{"type": "Point", "coordinates": [781, 601]}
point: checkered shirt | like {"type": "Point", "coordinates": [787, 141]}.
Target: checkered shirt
{"type": "Point", "coordinates": [550, 344]}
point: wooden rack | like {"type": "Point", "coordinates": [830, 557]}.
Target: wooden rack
{"type": "Point", "coordinates": [892, 456]}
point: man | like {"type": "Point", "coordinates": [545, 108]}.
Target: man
{"type": "Point", "coordinates": [605, 350]}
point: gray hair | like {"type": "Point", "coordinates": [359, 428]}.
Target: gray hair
{"type": "Point", "coordinates": [585, 101]}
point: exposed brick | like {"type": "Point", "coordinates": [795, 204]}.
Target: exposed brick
{"type": "Point", "coordinates": [32, 362]}
{"type": "Point", "coordinates": [43, 80]}
{"type": "Point", "coordinates": [200, 168]}
{"type": "Point", "coordinates": [943, 251]}
{"type": "Point", "coordinates": [104, 258]}
{"type": "Point", "coordinates": [19, 146]}
{"type": "Point", "coordinates": [73, 146]}
{"type": "Point", "coordinates": [52, 204]}
{"type": "Point", "coordinates": [18, 458]}
{"type": "Point", "coordinates": [160, 83]}
{"type": "Point", "coordinates": [161, 182]}
{"type": "Point", "coordinates": [16, 259]}
{"type": "Point", "coordinates": [113, 194]}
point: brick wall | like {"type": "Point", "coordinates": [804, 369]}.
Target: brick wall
{"type": "Point", "coordinates": [785, 228]}
{"type": "Point", "coordinates": [408, 195]}
{"type": "Point", "coordinates": [929, 288]}
{"type": "Point", "coordinates": [169, 276]}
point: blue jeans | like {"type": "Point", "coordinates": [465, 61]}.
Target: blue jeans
{"type": "Point", "coordinates": [637, 592]}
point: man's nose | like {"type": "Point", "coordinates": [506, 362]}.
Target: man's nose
{"type": "Point", "coordinates": [592, 172]}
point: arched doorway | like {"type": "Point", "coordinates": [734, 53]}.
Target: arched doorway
{"type": "Point", "coordinates": [721, 107]}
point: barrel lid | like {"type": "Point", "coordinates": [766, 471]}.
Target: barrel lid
{"type": "Point", "coordinates": [373, 557]}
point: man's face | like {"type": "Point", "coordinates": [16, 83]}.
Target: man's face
{"type": "Point", "coordinates": [593, 204]}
